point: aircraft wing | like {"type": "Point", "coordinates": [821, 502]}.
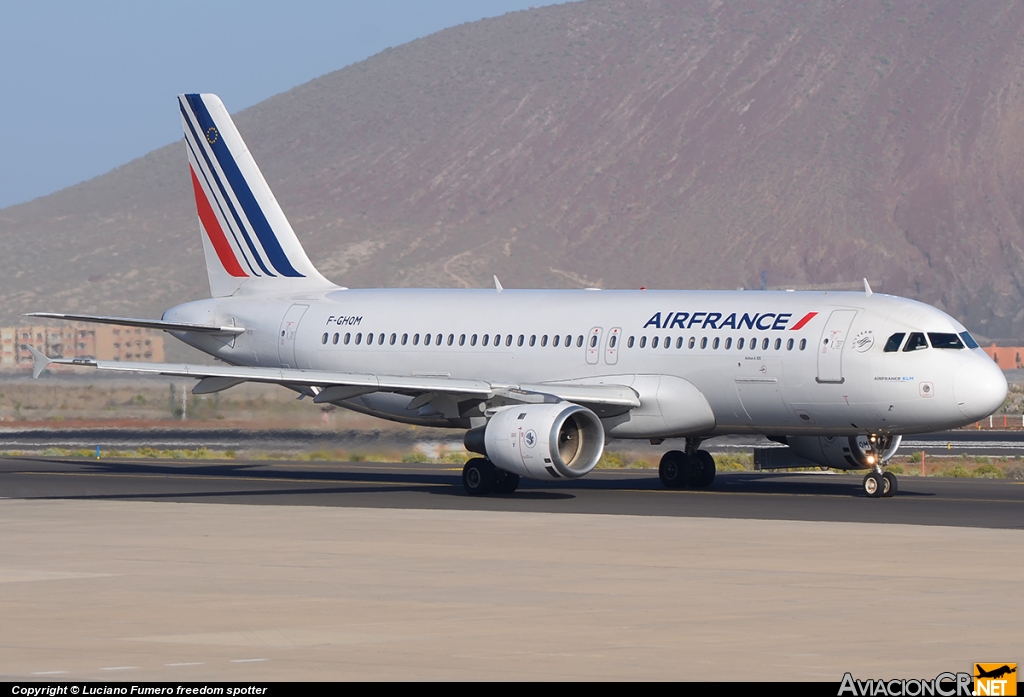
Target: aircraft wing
{"type": "Point", "coordinates": [144, 323]}
{"type": "Point", "coordinates": [328, 386]}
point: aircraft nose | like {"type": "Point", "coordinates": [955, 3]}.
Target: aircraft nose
{"type": "Point", "coordinates": [979, 388]}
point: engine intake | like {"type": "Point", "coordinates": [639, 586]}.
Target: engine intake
{"type": "Point", "coordinates": [541, 441]}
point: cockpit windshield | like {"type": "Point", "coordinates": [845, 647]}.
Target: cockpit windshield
{"type": "Point", "coordinates": [893, 344]}
{"type": "Point", "coordinates": [945, 341]}
{"type": "Point", "coordinates": [969, 340]}
{"type": "Point", "coordinates": [916, 342]}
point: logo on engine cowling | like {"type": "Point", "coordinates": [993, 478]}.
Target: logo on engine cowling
{"type": "Point", "coordinates": [530, 438]}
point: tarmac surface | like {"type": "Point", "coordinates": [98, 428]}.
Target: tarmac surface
{"type": "Point", "coordinates": [197, 570]}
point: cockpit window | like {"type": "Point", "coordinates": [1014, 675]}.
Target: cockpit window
{"type": "Point", "coordinates": [945, 341]}
{"type": "Point", "coordinates": [969, 340]}
{"type": "Point", "coordinates": [916, 342]}
{"type": "Point", "coordinates": [893, 344]}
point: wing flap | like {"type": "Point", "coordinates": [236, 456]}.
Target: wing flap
{"type": "Point", "coordinates": [339, 386]}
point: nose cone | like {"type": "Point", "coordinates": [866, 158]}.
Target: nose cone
{"type": "Point", "coordinates": [979, 388]}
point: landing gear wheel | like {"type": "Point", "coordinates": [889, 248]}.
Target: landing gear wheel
{"type": "Point", "coordinates": [874, 485]}
{"type": "Point", "coordinates": [891, 484]}
{"type": "Point", "coordinates": [478, 477]}
{"type": "Point", "coordinates": [704, 472]}
{"type": "Point", "coordinates": [505, 482]}
{"type": "Point", "coordinates": [675, 470]}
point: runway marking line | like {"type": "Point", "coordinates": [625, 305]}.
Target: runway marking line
{"type": "Point", "coordinates": [175, 665]}
{"type": "Point", "coordinates": [50, 672]}
{"type": "Point", "coordinates": [249, 660]}
{"type": "Point", "coordinates": [219, 478]}
{"type": "Point", "coordinates": [121, 668]}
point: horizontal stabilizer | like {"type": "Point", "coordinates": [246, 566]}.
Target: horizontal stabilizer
{"type": "Point", "coordinates": [144, 323]}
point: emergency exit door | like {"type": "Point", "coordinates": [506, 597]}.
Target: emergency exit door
{"type": "Point", "coordinates": [830, 346]}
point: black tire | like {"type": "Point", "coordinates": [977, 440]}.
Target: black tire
{"type": "Point", "coordinates": [704, 472]}
{"type": "Point", "coordinates": [505, 482]}
{"type": "Point", "coordinates": [893, 483]}
{"type": "Point", "coordinates": [478, 477]}
{"type": "Point", "coordinates": [675, 470]}
{"type": "Point", "coordinates": [874, 485]}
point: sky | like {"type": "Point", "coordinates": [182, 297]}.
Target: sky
{"type": "Point", "coordinates": [89, 86]}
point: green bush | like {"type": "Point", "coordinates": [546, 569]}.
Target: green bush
{"type": "Point", "coordinates": [412, 457]}
{"type": "Point", "coordinates": [896, 469]}
{"type": "Point", "coordinates": [988, 472]}
{"type": "Point", "coordinates": [958, 471]}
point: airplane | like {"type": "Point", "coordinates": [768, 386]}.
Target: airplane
{"type": "Point", "coordinates": [539, 379]}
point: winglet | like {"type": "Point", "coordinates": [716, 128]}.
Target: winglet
{"type": "Point", "coordinates": [867, 288]}
{"type": "Point", "coordinates": [497, 285]}
{"type": "Point", "coordinates": [39, 362]}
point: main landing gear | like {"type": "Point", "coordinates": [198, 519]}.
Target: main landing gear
{"type": "Point", "coordinates": [480, 477]}
{"type": "Point", "coordinates": [692, 467]}
{"type": "Point", "coordinates": [879, 484]}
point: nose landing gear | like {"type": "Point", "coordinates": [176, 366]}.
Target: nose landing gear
{"type": "Point", "coordinates": [878, 483]}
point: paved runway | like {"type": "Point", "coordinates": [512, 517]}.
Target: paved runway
{"type": "Point", "coordinates": [751, 495]}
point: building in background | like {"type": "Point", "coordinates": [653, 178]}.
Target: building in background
{"type": "Point", "coordinates": [103, 342]}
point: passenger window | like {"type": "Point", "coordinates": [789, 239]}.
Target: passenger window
{"type": "Point", "coordinates": [508, 340]}
{"type": "Point", "coordinates": [629, 343]}
{"type": "Point", "coordinates": [369, 339]}
{"type": "Point", "coordinates": [394, 338]}
{"type": "Point", "coordinates": [668, 342]}
{"type": "Point", "coordinates": [739, 344]}
{"type": "Point", "coordinates": [438, 339]}
{"type": "Point", "coordinates": [380, 339]}
{"type": "Point", "coordinates": [484, 342]}
{"type": "Point", "coordinates": [520, 340]}
{"type": "Point", "coordinates": [643, 342]}
{"type": "Point", "coordinates": [472, 340]}
{"type": "Point", "coordinates": [405, 339]}
{"type": "Point", "coordinates": [451, 339]}
{"type": "Point", "coordinates": [533, 340]}
{"type": "Point", "coordinates": [944, 341]}
{"type": "Point", "coordinates": [544, 341]}
{"type": "Point", "coordinates": [703, 342]}
{"type": "Point", "coordinates": [692, 342]}
{"type": "Point", "coordinates": [778, 344]}
{"type": "Point", "coordinates": [462, 340]}
{"type": "Point", "coordinates": [654, 342]}
{"type": "Point", "coordinates": [426, 339]}
{"type": "Point", "coordinates": [789, 345]}
{"type": "Point", "coordinates": [728, 343]}
{"type": "Point", "coordinates": [764, 344]}
{"type": "Point", "coordinates": [714, 344]}
{"type": "Point", "coordinates": [359, 338]}
{"type": "Point", "coordinates": [803, 344]}
{"type": "Point", "coordinates": [969, 340]}
{"type": "Point", "coordinates": [324, 340]}
{"type": "Point", "coordinates": [555, 340]}
{"type": "Point", "coordinates": [916, 342]}
{"type": "Point", "coordinates": [593, 341]}
{"type": "Point", "coordinates": [348, 337]}
{"type": "Point", "coordinates": [679, 342]}
{"type": "Point", "coordinates": [415, 339]}
{"type": "Point", "coordinates": [753, 343]}
{"type": "Point", "coordinates": [568, 341]}
{"type": "Point", "coordinates": [613, 341]}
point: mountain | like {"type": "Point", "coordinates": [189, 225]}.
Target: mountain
{"type": "Point", "coordinates": [608, 143]}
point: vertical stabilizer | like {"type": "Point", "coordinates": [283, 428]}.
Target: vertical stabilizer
{"type": "Point", "coordinates": [250, 245]}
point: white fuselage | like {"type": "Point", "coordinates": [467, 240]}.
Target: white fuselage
{"type": "Point", "coordinates": [777, 363]}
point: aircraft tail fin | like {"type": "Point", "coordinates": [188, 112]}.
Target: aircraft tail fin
{"type": "Point", "coordinates": [249, 244]}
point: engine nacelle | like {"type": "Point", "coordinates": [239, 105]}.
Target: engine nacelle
{"type": "Point", "coordinates": [541, 441]}
{"type": "Point", "coordinates": [837, 452]}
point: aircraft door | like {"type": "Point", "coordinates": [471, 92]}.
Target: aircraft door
{"type": "Point", "coordinates": [830, 346]}
{"type": "Point", "coordinates": [594, 346]}
{"type": "Point", "coordinates": [286, 339]}
{"type": "Point", "coordinates": [611, 349]}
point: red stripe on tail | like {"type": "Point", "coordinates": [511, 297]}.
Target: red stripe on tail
{"type": "Point", "coordinates": [214, 231]}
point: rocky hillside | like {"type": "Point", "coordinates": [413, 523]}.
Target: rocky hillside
{"type": "Point", "coordinates": [615, 143]}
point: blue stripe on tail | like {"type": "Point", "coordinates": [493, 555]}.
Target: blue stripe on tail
{"type": "Point", "coordinates": [242, 192]}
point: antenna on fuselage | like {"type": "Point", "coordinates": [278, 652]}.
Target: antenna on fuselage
{"type": "Point", "coordinates": [867, 288]}
{"type": "Point", "coordinates": [497, 285]}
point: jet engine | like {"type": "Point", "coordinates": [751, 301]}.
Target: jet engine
{"type": "Point", "coordinates": [541, 441]}
{"type": "Point", "coordinates": [838, 452]}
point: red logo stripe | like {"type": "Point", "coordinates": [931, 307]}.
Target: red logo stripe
{"type": "Point", "coordinates": [214, 231]}
{"type": "Point", "coordinates": [803, 320]}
